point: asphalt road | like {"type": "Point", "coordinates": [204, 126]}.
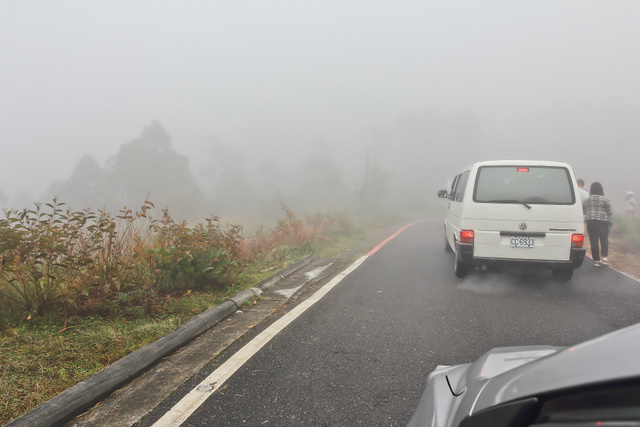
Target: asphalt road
{"type": "Point", "coordinates": [361, 355]}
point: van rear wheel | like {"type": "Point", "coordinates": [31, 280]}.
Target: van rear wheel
{"type": "Point", "coordinates": [460, 268]}
{"type": "Point", "coordinates": [562, 274]}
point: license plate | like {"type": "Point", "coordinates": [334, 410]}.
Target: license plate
{"type": "Point", "coordinates": [522, 242]}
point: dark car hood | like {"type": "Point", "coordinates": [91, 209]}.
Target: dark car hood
{"type": "Point", "coordinates": [611, 357]}
{"type": "Point", "coordinates": [508, 374]}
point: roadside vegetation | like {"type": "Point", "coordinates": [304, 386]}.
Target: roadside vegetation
{"type": "Point", "coordinates": [625, 244]}
{"type": "Point", "coordinates": [81, 289]}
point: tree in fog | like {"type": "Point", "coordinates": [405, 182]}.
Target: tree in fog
{"type": "Point", "coordinates": [422, 153]}
{"type": "Point", "coordinates": [148, 168]}
{"type": "Point", "coordinates": [270, 184]}
{"type": "Point", "coordinates": [374, 186]}
{"type": "Point", "coordinates": [84, 188]}
{"type": "Point", "coordinates": [225, 179]}
{"type": "Point", "coordinates": [269, 177]}
{"type": "Point", "coordinates": [319, 183]}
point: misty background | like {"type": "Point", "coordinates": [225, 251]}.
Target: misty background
{"type": "Point", "coordinates": [235, 107]}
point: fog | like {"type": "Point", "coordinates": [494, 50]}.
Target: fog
{"type": "Point", "coordinates": [231, 107]}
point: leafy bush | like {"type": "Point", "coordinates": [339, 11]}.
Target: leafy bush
{"type": "Point", "coordinates": [180, 268]}
{"type": "Point", "coordinates": [329, 224]}
{"type": "Point", "coordinates": [37, 256]}
{"type": "Point", "coordinates": [292, 237]}
{"type": "Point", "coordinates": [87, 262]}
{"type": "Point", "coordinates": [192, 258]}
{"type": "Point", "coordinates": [84, 262]}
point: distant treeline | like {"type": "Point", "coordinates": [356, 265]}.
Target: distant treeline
{"type": "Point", "coordinates": [148, 168]}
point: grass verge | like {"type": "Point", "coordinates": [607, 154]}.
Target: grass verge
{"type": "Point", "coordinates": [41, 359]}
{"type": "Point", "coordinates": [624, 247]}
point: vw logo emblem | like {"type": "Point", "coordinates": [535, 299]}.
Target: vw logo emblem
{"type": "Point", "coordinates": [523, 226]}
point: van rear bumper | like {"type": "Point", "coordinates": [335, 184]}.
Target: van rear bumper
{"type": "Point", "coordinates": [465, 252]}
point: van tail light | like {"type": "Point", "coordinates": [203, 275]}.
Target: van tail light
{"type": "Point", "coordinates": [577, 240]}
{"type": "Point", "coordinates": [466, 236]}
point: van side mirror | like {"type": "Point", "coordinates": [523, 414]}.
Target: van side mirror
{"type": "Point", "coordinates": [443, 194]}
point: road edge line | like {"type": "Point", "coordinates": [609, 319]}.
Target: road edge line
{"type": "Point", "coordinates": [182, 410]}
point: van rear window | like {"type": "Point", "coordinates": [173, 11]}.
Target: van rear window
{"type": "Point", "coordinates": [524, 184]}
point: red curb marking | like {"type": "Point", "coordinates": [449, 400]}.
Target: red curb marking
{"type": "Point", "coordinates": [374, 250]}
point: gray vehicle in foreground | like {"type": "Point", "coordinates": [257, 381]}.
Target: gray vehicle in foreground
{"type": "Point", "coordinates": [596, 383]}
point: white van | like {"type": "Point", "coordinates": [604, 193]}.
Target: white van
{"type": "Point", "coordinates": [518, 213]}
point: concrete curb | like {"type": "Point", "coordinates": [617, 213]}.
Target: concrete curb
{"type": "Point", "coordinates": [85, 394]}
{"type": "Point", "coordinates": [269, 282]}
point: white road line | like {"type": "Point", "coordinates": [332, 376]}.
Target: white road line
{"type": "Point", "coordinates": [630, 276]}
{"type": "Point", "coordinates": [192, 401]}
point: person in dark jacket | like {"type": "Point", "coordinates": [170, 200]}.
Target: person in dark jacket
{"type": "Point", "coordinates": [597, 213]}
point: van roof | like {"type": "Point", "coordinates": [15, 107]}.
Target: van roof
{"type": "Point", "coordinates": [519, 163]}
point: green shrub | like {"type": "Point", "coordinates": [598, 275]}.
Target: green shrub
{"type": "Point", "coordinates": [37, 253]}
{"type": "Point", "coordinates": [87, 262]}
{"type": "Point", "coordinates": [181, 269]}
{"type": "Point", "coordinates": [192, 258]}
{"type": "Point", "coordinates": [84, 262]}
